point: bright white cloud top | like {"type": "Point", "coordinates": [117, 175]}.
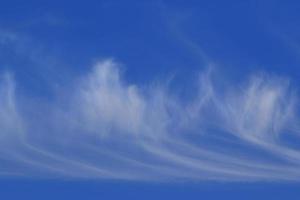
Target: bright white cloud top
{"type": "Point", "coordinates": [104, 128]}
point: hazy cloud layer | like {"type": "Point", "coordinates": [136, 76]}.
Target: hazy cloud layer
{"type": "Point", "coordinates": [107, 128]}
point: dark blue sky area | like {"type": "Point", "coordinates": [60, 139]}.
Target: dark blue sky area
{"type": "Point", "coordinates": [156, 38]}
{"type": "Point", "coordinates": [124, 190]}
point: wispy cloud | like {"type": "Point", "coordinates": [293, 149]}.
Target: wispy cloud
{"type": "Point", "coordinates": [107, 128]}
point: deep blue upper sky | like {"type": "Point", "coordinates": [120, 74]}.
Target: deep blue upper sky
{"type": "Point", "coordinates": [57, 40]}
{"type": "Point", "coordinates": [152, 37]}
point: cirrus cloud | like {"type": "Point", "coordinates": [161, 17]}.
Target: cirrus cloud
{"type": "Point", "coordinates": [107, 128]}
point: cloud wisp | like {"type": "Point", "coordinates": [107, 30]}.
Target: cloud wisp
{"type": "Point", "coordinates": [106, 128]}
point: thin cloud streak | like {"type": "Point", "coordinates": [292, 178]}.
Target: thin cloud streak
{"type": "Point", "coordinates": [109, 129]}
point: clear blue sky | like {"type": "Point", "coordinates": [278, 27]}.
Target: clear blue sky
{"type": "Point", "coordinates": [149, 99]}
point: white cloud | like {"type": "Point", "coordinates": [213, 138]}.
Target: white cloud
{"type": "Point", "coordinates": [262, 109]}
{"type": "Point", "coordinates": [103, 100]}
{"type": "Point", "coordinates": [10, 121]}
{"type": "Point", "coordinates": [112, 129]}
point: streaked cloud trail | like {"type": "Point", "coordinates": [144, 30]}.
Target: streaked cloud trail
{"type": "Point", "coordinates": [105, 128]}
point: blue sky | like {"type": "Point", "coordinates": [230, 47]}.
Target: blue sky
{"type": "Point", "coordinates": [156, 99]}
